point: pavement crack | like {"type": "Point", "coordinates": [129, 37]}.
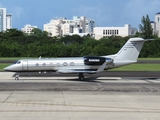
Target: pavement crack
{"type": "Point", "coordinates": [60, 86]}
{"type": "Point", "coordinates": [7, 98]}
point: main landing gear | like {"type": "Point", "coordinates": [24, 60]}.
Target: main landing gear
{"type": "Point", "coordinates": [81, 77]}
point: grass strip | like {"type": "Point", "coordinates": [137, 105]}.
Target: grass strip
{"type": "Point", "coordinates": [138, 67]}
{"type": "Point", "coordinates": [132, 67]}
{"type": "Point", "coordinates": [18, 58]}
{"type": "Point", "coordinates": [3, 65]}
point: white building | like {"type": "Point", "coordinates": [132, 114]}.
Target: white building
{"type": "Point", "coordinates": [62, 26]}
{"type": "Point", "coordinates": [101, 32]}
{"type": "Point", "coordinates": [54, 27]}
{"type": "Point", "coordinates": [90, 25]}
{"type": "Point", "coordinates": [28, 28]}
{"type": "Point", "coordinates": [8, 21]}
{"type": "Point", "coordinates": [153, 24]}
{"type": "Point", "coordinates": [157, 22]}
{"type": "Point", "coordinates": [5, 20]}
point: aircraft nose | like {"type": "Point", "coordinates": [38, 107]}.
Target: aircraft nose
{"type": "Point", "coordinates": [7, 68]}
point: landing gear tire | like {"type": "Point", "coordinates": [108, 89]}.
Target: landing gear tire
{"type": "Point", "coordinates": [81, 77]}
{"type": "Point", "coordinates": [16, 78]}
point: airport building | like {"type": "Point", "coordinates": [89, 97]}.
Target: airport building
{"type": "Point", "coordinates": [28, 28]}
{"type": "Point", "coordinates": [127, 30]}
{"type": "Point", "coordinates": [156, 24]}
{"type": "Point", "coordinates": [84, 26]}
{"type": "Point", "coordinates": [62, 26]}
{"type": "Point", "coordinates": [5, 20]}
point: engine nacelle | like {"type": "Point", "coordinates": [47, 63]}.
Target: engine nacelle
{"type": "Point", "coordinates": [93, 60]}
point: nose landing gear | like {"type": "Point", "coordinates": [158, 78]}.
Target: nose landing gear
{"type": "Point", "coordinates": [17, 76]}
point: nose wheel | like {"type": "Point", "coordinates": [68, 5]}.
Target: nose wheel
{"type": "Point", "coordinates": [81, 77]}
{"type": "Point", "coordinates": [17, 76]}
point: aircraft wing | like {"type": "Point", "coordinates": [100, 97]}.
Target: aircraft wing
{"type": "Point", "coordinates": [100, 69]}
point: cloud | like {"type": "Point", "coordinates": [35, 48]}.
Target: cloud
{"type": "Point", "coordinates": [135, 9]}
{"type": "Point", "coordinates": [18, 11]}
{"type": "Point", "coordinates": [142, 7]}
{"type": "Point", "coordinates": [93, 12]}
{"type": "Point", "coordinates": [86, 10]}
{"type": "Point", "coordinates": [18, 15]}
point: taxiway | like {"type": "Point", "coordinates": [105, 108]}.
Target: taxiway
{"type": "Point", "coordinates": [66, 98]}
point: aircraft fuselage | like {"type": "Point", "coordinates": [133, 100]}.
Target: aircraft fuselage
{"type": "Point", "coordinates": [63, 65]}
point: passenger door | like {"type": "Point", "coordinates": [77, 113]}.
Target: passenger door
{"type": "Point", "coordinates": [25, 65]}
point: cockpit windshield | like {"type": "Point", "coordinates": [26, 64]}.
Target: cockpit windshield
{"type": "Point", "coordinates": [17, 62]}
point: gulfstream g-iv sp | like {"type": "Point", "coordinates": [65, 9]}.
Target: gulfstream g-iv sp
{"type": "Point", "coordinates": [88, 64]}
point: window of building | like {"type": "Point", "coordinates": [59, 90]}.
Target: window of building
{"type": "Point", "coordinates": [117, 32]}
{"type": "Point", "coordinates": [112, 32]}
{"type": "Point", "coordinates": [103, 32]}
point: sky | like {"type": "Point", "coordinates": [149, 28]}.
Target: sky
{"type": "Point", "coordinates": [106, 13]}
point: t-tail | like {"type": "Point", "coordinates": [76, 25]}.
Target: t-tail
{"type": "Point", "coordinates": [128, 53]}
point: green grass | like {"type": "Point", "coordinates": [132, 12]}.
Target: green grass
{"type": "Point", "coordinates": [3, 65]}
{"type": "Point", "coordinates": [148, 58]}
{"type": "Point", "coordinates": [138, 67]}
{"type": "Point", "coordinates": [132, 67]}
{"type": "Point", "coordinates": [17, 58]}
{"type": "Point", "coordinates": [12, 58]}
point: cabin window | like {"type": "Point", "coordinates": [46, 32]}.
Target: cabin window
{"type": "Point", "coordinates": [51, 64]}
{"type": "Point", "coordinates": [65, 64]}
{"type": "Point", "coordinates": [72, 63]}
{"type": "Point", "coordinates": [17, 62]}
{"type": "Point", "coordinates": [37, 64]}
{"type": "Point", "coordinates": [44, 64]}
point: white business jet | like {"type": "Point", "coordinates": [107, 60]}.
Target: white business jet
{"type": "Point", "coordinates": [128, 54]}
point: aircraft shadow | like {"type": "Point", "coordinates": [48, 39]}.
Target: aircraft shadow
{"type": "Point", "coordinates": [92, 79]}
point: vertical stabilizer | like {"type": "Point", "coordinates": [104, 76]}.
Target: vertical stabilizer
{"type": "Point", "coordinates": [131, 49]}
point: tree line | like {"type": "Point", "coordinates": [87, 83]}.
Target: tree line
{"type": "Point", "coordinates": [15, 43]}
